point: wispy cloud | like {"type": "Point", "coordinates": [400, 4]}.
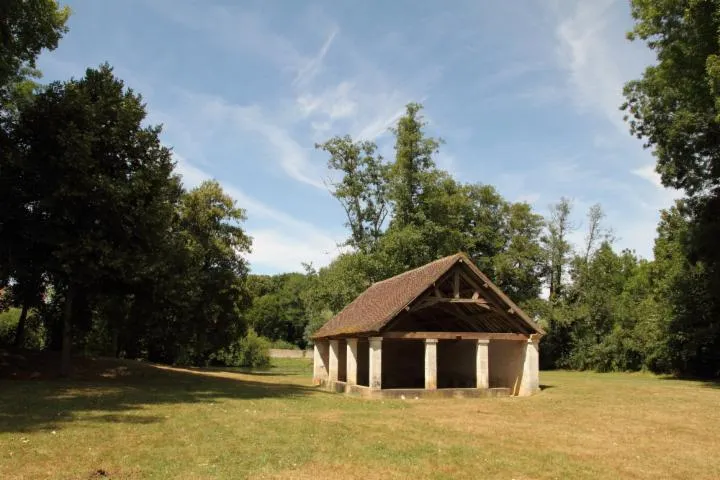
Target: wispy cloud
{"type": "Point", "coordinates": [667, 195]}
{"type": "Point", "coordinates": [594, 74]}
{"type": "Point", "coordinates": [292, 157]}
{"type": "Point", "coordinates": [335, 103]}
{"type": "Point", "coordinates": [285, 243]}
{"type": "Point", "coordinates": [593, 50]}
{"type": "Point", "coordinates": [312, 67]}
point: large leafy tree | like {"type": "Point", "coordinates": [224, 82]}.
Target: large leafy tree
{"type": "Point", "coordinates": [675, 108]}
{"type": "Point", "coordinates": [216, 243]}
{"type": "Point", "coordinates": [279, 312]}
{"type": "Point", "coordinates": [26, 28]}
{"type": "Point", "coordinates": [414, 162]}
{"type": "Point", "coordinates": [361, 189]}
{"type": "Point", "coordinates": [101, 182]}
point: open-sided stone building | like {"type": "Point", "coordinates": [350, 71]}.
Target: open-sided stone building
{"type": "Point", "coordinates": [443, 328]}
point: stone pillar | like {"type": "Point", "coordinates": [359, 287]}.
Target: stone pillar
{"type": "Point", "coordinates": [482, 364]}
{"type": "Point", "coordinates": [375, 360]}
{"type": "Point", "coordinates": [334, 357]}
{"type": "Point", "coordinates": [320, 353]}
{"type": "Point", "coordinates": [351, 361]}
{"type": "Point", "coordinates": [431, 364]}
{"type": "Point", "coordinates": [530, 382]}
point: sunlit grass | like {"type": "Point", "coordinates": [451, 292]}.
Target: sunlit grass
{"type": "Point", "coordinates": [130, 420]}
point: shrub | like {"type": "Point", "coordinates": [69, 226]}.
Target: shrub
{"type": "Point", "coordinates": [284, 344]}
{"type": "Point", "coordinates": [250, 351]}
{"type": "Point", "coordinates": [8, 324]}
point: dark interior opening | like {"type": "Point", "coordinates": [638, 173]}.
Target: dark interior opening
{"type": "Point", "coordinates": [363, 362]}
{"type": "Point", "coordinates": [456, 364]}
{"type": "Point", "coordinates": [403, 364]}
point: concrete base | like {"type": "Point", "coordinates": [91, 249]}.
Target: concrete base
{"type": "Point", "coordinates": [412, 393]}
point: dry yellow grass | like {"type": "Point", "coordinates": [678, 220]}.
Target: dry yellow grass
{"type": "Point", "coordinates": [127, 420]}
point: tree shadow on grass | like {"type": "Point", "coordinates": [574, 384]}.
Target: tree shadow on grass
{"type": "Point", "coordinates": [705, 382]}
{"type": "Point", "coordinates": [35, 398]}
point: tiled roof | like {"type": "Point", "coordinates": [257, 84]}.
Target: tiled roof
{"type": "Point", "coordinates": [382, 301]}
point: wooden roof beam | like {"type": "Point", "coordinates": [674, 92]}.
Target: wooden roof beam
{"type": "Point", "coordinates": [456, 335]}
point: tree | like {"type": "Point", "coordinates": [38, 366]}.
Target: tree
{"type": "Point", "coordinates": [413, 162]}
{"type": "Point", "coordinates": [687, 285]}
{"type": "Point", "coordinates": [595, 231]}
{"type": "Point", "coordinates": [215, 242]}
{"type": "Point", "coordinates": [26, 28]}
{"type": "Point", "coordinates": [517, 267]}
{"type": "Point", "coordinates": [362, 189]}
{"type": "Point", "coordinates": [101, 182]}
{"type": "Point", "coordinates": [279, 313]}
{"type": "Point", "coordinates": [557, 246]}
{"type": "Point", "coordinates": [675, 108]}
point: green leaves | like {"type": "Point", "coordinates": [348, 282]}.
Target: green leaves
{"type": "Point", "coordinates": [674, 106]}
{"type": "Point", "coordinates": [362, 189]}
{"type": "Point", "coordinates": [26, 28]}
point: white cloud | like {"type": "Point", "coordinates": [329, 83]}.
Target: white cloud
{"type": "Point", "coordinates": [389, 110]}
{"type": "Point", "coordinates": [286, 244]}
{"type": "Point", "coordinates": [598, 58]}
{"type": "Point", "coordinates": [666, 196]}
{"type": "Point", "coordinates": [313, 66]}
{"type": "Point", "coordinates": [274, 251]}
{"type": "Point", "coordinates": [648, 173]}
{"type": "Point", "coordinates": [335, 103]}
{"type": "Point", "coordinates": [292, 156]}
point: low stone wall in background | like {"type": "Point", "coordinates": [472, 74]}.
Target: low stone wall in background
{"type": "Point", "coordinates": [290, 353]}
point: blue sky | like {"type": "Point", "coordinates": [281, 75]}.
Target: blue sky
{"type": "Point", "coordinates": [525, 94]}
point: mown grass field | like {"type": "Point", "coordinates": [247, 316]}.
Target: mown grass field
{"type": "Point", "coordinates": [127, 420]}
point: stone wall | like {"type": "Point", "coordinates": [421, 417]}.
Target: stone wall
{"type": "Point", "coordinates": [506, 363]}
{"type": "Point", "coordinates": [290, 353]}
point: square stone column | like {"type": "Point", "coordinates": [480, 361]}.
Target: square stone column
{"type": "Point", "coordinates": [351, 361]}
{"type": "Point", "coordinates": [431, 364]}
{"type": "Point", "coordinates": [530, 382]}
{"type": "Point", "coordinates": [482, 364]}
{"type": "Point", "coordinates": [375, 363]}
{"type": "Point", "coordinates": [320, 355]}
{"type": "Point", "coordinates": [334, 359]}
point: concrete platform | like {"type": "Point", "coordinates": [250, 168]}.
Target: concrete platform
{"type": "Point", "coordinates": [412, 393]}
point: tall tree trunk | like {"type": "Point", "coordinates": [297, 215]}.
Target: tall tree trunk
{"type": "Point", "coordinates": [20, 330]}
{"type": "Point", "coordinates": [65, 364]}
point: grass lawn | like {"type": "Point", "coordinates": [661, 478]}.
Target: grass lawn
{"type": "Point", "coordinates": [131, 420]}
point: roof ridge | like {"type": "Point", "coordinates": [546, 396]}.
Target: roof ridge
{"type": "Point", "coordinates": [416, 269]}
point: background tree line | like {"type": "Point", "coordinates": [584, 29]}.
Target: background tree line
{"type": "Point", "coordinates": [103, 250]}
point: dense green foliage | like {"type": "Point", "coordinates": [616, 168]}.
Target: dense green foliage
{"type": "Point", "coordinates": [250, 351]}
{"type": "Point", "coordinates": [675, 108]}
{"type": "Point", "coordinates": [26, 28]}
{"type": "Point", "coordinates": [278, 312]}
{"type": "Point", "coordinates": [138, 267]}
